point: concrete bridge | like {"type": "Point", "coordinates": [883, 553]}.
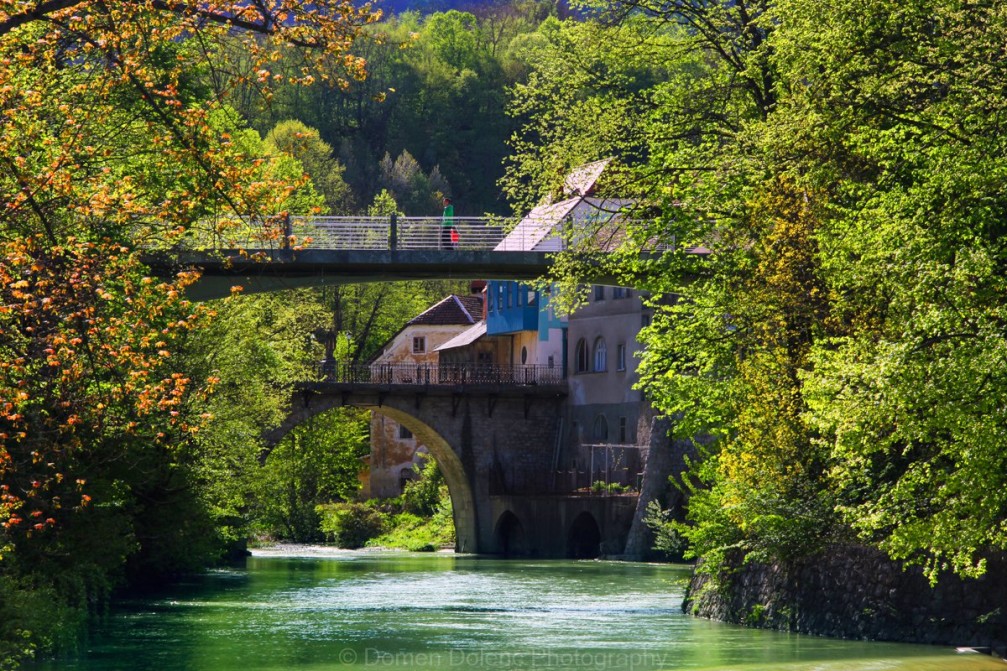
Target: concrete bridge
{"type": "Point", "coordinates": [496, 441]}
{"type": "Point", "coordinates": [313, 251]}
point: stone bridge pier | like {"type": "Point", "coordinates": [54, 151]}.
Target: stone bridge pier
{"type": "Point", "coordinates": [497, 448]}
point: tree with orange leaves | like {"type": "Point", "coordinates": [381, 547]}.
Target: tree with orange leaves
{"type": "Point", "coordinates": [113, 136]}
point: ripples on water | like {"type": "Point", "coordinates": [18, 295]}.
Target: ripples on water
{"type": "Point", "coordinates": [369, 610]}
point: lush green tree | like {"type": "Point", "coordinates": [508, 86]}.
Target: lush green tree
{"type": "Point", "coordinates": [898, 118]}
{"type": "Point", "coordinates": [318, 462]}
{"type": "Point", "coordinates": [837, 348]}
{"type": "Point", "coordinates": [303, 143]}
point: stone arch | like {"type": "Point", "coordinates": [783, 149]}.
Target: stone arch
{"type": "Point", "coordinates": [584, 539]}
{"type": "Point", "coordinates": [462, 499]}
{"type": "Point", "coordinates": [509, 536]}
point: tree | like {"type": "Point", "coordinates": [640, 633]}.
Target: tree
{"type": "Point", "coordinates": [838, 347]}
{"type": "Point", "coordinates": [114, 137]}
{"type": "Point", "coordinates": [295, 139]}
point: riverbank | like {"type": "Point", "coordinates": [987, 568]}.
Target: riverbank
{"type": "Point", "coordinates": [854, 592]}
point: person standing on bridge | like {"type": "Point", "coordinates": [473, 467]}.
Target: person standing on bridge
{"type": "Point", "coordinates": [449, 236]}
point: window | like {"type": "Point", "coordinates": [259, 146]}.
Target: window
{"type": "Point", "coordinates": [419, 344]}
{"type": "Point", "coordinates": [510, 295]}
{"type": "Point", "coordinates": [620, 356]}
{"type": "Point", "coordinates": [645, 320]}
{"type": "Point", "coordinates": [619, 292]}
{"type": "Point", "coordinates": [551, 361]}
{"type": "Point", "coordinates": [582, 359]}
{"type": "Point", "coordinates": [524, 355]}
{"type": "Point", "coordinates": [500, 295]}
{"type": "Point", "coordinates": [623, 431]}
{"type": "Point", "coordinates": [489, 301]}
{"type": "Point", "coordinates": [600, 430]}
{"type": "Point", "coordinates": [404, 433]}
{"type": "Point", "coordinates": [599, 292]}
{"type": "Point", "coordinates": [600, 355]}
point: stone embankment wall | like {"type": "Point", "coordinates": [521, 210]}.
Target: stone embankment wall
{"type": "Point", "coordinates": [857, 592]}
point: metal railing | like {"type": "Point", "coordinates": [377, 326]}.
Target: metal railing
{"type": "Point", "coordinates": [440, 374]}
{"type": "Point", "coordinates": [385, 233]}
{"type": "Point", "coordinates": [351, 234]}
{"type": "Point", "coordinates": [599, 470]}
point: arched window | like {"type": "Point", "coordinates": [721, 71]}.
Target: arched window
{"type": "Point", "coordinates": [600, 429]}
{"type": "Point", "coordinates": [600, 355]}
{"type": "Point", "coordinates": [582, 361]}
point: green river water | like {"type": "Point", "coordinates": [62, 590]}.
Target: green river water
{"type": "Point", "coordinates": [321, 610]}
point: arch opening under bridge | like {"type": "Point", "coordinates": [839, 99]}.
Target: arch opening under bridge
{"type": "Point", "coordinates": [459, 488]}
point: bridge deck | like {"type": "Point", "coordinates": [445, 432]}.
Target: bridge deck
{"type": "Point", "coordinates": [313, 251]}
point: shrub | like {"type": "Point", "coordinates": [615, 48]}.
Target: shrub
{"type": "Point", "coordinates": [351, 525]}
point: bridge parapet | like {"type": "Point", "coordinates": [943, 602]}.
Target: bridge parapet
{"type": "Point", "coordinates": [356, 233]}
{"type": "Point", "coordinates": [454, 375]}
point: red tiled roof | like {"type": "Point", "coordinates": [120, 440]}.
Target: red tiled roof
{"type": "Point", "coordinates": [452, 310]}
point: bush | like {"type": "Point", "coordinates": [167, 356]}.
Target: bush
{"type": "Point", "coordinates": [423, 496]}
{"type": "Point", "coordinates": [351, 525]}
{"type": "Point", "coordinates": [668, 541]}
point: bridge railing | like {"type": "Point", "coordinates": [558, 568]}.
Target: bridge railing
{"type": "Point", "coordinates": [351, 233]}
{"type": "Point", "coordinates": [440, 374]}
{"type": "Point", "coordinates": [383, 233]}
{"type": "Point", "coordinates": [607, 469]}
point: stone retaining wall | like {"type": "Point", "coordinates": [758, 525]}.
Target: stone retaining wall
{"type": "Point", "coordinates": [857, 592]}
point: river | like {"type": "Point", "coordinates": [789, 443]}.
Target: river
{"type": "Point", "coordinates": [323, 609]}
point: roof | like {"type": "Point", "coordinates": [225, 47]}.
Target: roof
{"type": "Point", "coordinates": [466, 337]}
{"type": "Point", "coordinates": [582, 179]}
{"type": "Point", "coordinates": [532, 232]}
{"type": "Point", "coordinates": [451, 310]}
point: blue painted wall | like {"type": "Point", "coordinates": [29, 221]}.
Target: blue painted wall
{"type": "Point", "coordinates": [511, 307]}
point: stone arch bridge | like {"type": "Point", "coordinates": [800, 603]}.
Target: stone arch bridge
{"type": "Point", "coordinates": [496, 445]}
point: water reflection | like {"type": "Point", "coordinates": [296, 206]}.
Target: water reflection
{"type": "Point", "coordinates": [402, 611]}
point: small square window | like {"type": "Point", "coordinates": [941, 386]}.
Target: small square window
{"type": "Point", "coordinates": [599, 292]}
{"type": "Point", "coordinates": [404, 433]}
{"type": "Point", "coordinates": [419, 345]}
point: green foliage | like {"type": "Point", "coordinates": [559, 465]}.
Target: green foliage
{"type": "Point", "coordinates": [384, 205]}
{"type": "Point", "coordinates": [351, 525]}
{"type": "Point", "coordinates": [34, 620]}
{"type": "Point", "coordinates": [841, 348]}
{"type": "Point", "coordinates": [423, 495]}
{"type": "Point", "coordinates": [419, 534]}
{"type": "Point", "coordinates": [317, 462]}
{"type": "Point", "coordinates": [421, 520]}
{"type": "Point", "coordinates": [602, 487]}
{"type": "Point", "coordinates": [668, 540]}
{"type": "Point", "coordinates": [304, 144]}
{"type": "Point", "coordinates": [426, 521]}
{"type": "Point", "coordinates": [436, 89]}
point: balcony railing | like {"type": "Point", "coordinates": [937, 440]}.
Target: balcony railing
{"type": "Point", "coordinates": [598, 470]}
{"type": "Point", "coordinates": [441, 374]}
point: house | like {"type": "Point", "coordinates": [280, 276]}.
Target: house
{"type": "Point", "coordinates": [407, 357]}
